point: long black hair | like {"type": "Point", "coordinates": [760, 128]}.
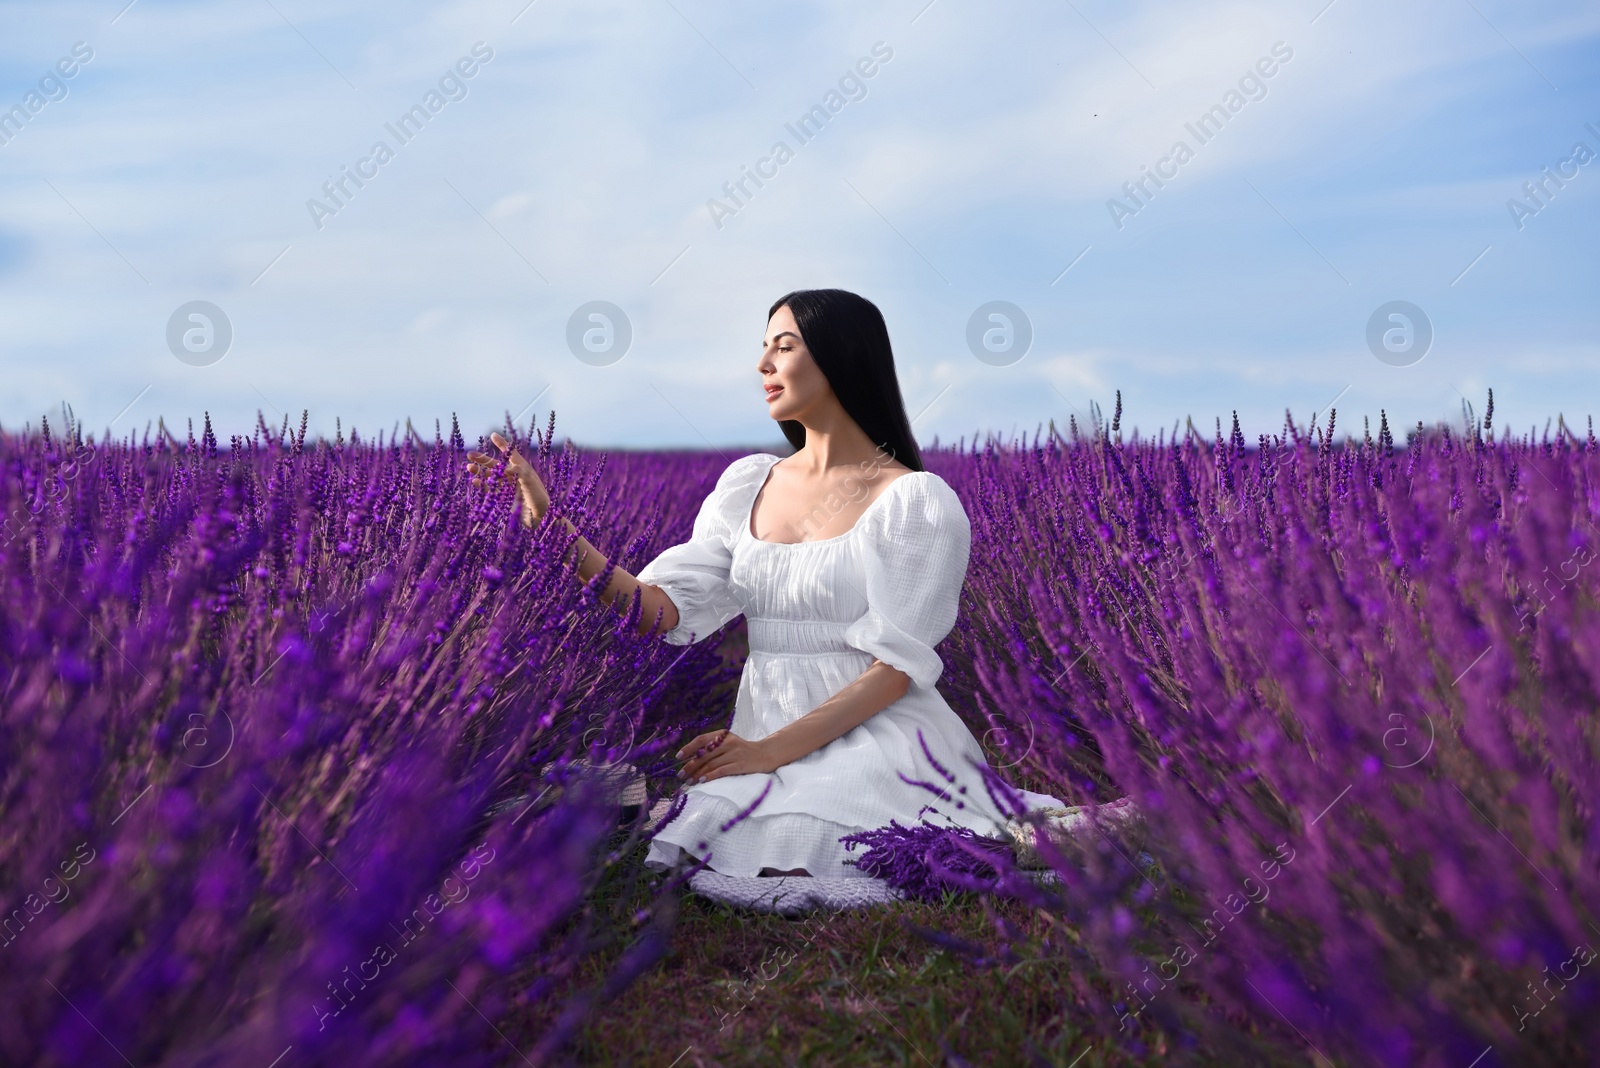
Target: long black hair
{"type": "Point", "coordinates": [850, 343]}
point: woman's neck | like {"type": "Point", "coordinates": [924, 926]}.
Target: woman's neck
{"type": "Point", "coordinates": [834, 443]}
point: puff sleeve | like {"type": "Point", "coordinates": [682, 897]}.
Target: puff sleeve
{"type": "Point", "coordinates": [914, 558]}
{"type": "Point", "coordinates": [694, 575]}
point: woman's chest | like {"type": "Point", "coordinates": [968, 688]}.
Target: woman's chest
{"type": "Point", "coordinates": [822, 580]}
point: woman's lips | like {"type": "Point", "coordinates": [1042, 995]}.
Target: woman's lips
{"type": "Point", "coordinates": [773, 391]}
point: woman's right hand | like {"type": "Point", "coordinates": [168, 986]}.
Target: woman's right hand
{"type": "Point", "coordinates": [531, 494]}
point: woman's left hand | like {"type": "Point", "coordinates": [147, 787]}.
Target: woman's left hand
{"type": "Point", "coordinates": [533, 498]}
{"type": "Point", "coordinates": [718, 753]}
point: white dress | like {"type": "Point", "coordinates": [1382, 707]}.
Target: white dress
{"type": "Point", "coordinates": [818, 613]}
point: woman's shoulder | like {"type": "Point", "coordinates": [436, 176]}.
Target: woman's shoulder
{"type": "Point", "coordinates": [746, 469]}
{"type": "Point", "coordinates": [919, 499]}
{"type": "Point", "coordinates": [927, 486]}
{"type": "Point", "coordinates": [739, 478]}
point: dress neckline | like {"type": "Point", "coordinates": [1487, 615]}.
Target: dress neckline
{"type": "Point", "coordinates": [750, 512]}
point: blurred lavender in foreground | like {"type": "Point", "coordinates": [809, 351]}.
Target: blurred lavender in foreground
{"type": "Point", "coordinates": [274, 721]}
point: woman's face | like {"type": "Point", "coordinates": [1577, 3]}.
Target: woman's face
{"type": "Point", "coordinates": [794, 384]}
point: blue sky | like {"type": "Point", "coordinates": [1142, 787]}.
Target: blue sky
{"type": "Point", "coordinates": [976, 164]}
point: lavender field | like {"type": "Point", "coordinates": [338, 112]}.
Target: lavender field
{"type": "Point", "coordinates": [296, 738]}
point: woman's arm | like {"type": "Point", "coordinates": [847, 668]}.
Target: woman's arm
{"type": "Point", "coordinates": [535, 502]}
{"type": "Point", "coordinates": [720, 753]}
{"type": "Point", "coordinates": [619, 591]}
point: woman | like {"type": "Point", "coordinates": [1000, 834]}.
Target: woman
{"type": "Point", "coordinates": [847, 560]}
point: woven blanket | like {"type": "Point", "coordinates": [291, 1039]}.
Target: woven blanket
{"type": "Point", "coordinates": [791, 895]}
{"type": "Point", "coordinates": [1070, 829]}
